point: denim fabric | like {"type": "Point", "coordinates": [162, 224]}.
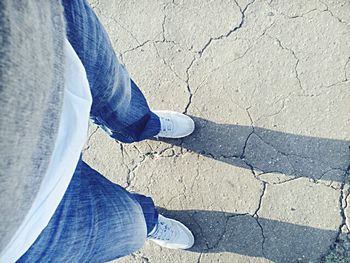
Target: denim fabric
{"type": "Point", "coordinates": [119, 106]}
{"type": "Point", "coordinates": [97, 220]}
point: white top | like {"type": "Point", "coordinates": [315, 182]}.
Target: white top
{"type": "Point", "coordinates": [72, 134]}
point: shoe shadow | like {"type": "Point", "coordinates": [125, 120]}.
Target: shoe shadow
{"type": "Point", "coordinates": [218, 232]}
{"type": "Point", "coordinates": [269, 151]}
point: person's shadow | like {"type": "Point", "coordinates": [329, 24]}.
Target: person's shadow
{"type": "Point", "coordinates": [264, 151]}
{"type": "Point", "coordinates": [269, 151]}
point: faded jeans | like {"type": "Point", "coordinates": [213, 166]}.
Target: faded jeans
{"type": "Point", "coordinates": [97, 220]}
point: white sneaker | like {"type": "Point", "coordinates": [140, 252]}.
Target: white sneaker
{"type": "Point", "coordinates": [172, 234]}
{"type": "Point", "coordinates": [174, 124]}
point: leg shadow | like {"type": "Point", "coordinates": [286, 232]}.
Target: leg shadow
{"type": "Point", "coordinates": [269, 151]}
{"type": "Point", "coordinates": [218, 232]}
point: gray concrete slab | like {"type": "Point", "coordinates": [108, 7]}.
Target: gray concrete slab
{"type": "Point", "coordinates": [265, 176]}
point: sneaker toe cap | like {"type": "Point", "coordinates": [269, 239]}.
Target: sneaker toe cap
{"type": "Point", "coordinates": [184, 125]}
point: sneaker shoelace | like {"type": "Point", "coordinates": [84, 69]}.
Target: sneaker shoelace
{"type": "Point", "coordinates": [163, 232]}
{"type": "Point", "coordinates": [166, 124]}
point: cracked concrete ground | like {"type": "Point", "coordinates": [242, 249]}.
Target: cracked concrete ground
{"type": "Point", "coordinates": [265, 177]}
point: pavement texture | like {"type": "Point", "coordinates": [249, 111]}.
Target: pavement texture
{"type": "Point", "coordinates": [265, 176]}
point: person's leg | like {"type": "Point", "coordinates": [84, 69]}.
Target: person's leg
{"type": "Point", "coordinates": [119, 106]}
{"type": "Point", "coordinates": [96, 221]}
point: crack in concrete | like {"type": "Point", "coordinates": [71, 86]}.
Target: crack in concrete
{"type": "Point", "coordinates": [159, 154]}
{"type": "Point", "coordinates": [345, 73]}
{"type": "Point", "coordinates": [222, 235]}
{"type": "Point", "coordinates": [279, 183]}
{"type": "Point", "coordinates": [256, 217]}
{"type": "Point", "coordinates": [232, 156]}
{"type": "Point", "coordinates": [200, 228]}
{"type": "Point", "coordinates": [332, 14]}
{"type": "Point", "coordinates": [345, 76]}
{"type": "Point", "coordinates": [283, 106]}
{"type": "Point", "coordinates": [329, 170]}
{"type": "Point", "coordinates": [345, 207]}
{"type": "Point", "coordinates": [299, 16]}
{"type": "Point", "coordinates": [242, 156]}
{"type": "Point", "coordinates": [89, 138]}
{"type": "Point", "coordinates": [255, 169]}
{"type": "Point", "coordinates": [163, 23]}
{"type": "Point", "coordinates": [200, 53]}
{"type": "Point", "coordinates": [219, 67]}
{"type": "Point", "coordinates": [130, 171]}
{"type": "Point", "coordinates": [302, 15]}
{"type": "Point", "coordinates": [172, 199]}
{"type": "Point", "coordinates": [125, 28]}
{"type": "Point", "coordinates": [334, 84]}
{"type": "Point", "coordinates": [295, 57]}
{"type": "Point", "coordinates": [262, 235]}
{"type": "Point", "coordinates": [263, 190]}
{"type": "Point", "coordinates": [231, 31]}
{"type": "Point", "coordinates": [165, 63]}
{"type": "Point", "coordinates": [134, 48]}
{"type": "Point", "coordinates": [188, 85]}
{"type": "Point", "coordinates": [164, 40]}
{"type": "Point", "coordinates": [343, 203]}
{"type": "Point", "coordinates": [148, 185]}
{"type": "Point", "coordinates": [234, 60]}
{"type": "Point", "coordinates": [195, 178]}
{"type": "Point", "coordinates": [128, 176]}
{"type": "Point", "coordinates": [287, 155]}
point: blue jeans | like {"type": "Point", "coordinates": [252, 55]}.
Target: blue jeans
{"type": "Point", "coordinates": [97, 220]}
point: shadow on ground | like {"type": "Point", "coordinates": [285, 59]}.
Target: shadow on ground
{"type": "Point", "coordinates": [218, 232]}
{"type": "Point", "coordinates": [264, 151]}
{"type": "Point", "coordinates": [269, 151]}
